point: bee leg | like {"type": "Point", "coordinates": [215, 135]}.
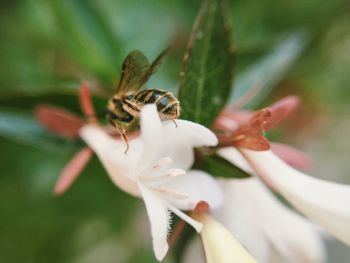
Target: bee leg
{"type": "Point", "coordinates": [126, 140]}
{"type": "Point", "coordinates": [174, 122]}
{"type": "Point", "coordinates": [123, 135]}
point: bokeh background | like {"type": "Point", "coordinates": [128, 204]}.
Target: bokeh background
{"type": "Point", "coordinates": [47, 47]}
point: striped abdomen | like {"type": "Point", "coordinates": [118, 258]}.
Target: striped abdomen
{"type": "Point", "coordinates": [168, 106]}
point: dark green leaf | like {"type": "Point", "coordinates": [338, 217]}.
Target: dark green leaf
{"type": "Point", "coordinates": [259, 79]}
{"type": "Point", "coordinates": [219, 167]}
{"type": "Point", "coordinates": [206, 76]}
{"type": "Point", "coordinates": [25, 129]}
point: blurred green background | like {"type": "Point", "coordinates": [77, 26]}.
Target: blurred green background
{"type": "Point", "coordinates": [47, 47]}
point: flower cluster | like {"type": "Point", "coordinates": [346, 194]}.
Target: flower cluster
{"type": "Point", "coordinates": [158, 169]}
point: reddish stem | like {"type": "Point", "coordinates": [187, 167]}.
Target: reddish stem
{"type": "Point", "coordinates": [72, 170]}
{"type": "Point", "coordinates": [86, 104]}
{"type": "Point", "coordinates": [176, 233]}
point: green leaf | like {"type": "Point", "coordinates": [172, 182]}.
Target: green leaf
{"type": "Point", "coordinates": [206, 76]}
{"type": "Point", "coordinates": [262, 77]}
{"type": "Point", "coordinates": [89, 39]}
{"type": "Point", "coordinates": [25, 129]}
{"type": "Point", "coordinates": [24, 72]}
{"type": "Point", "coordinates": [219, 167]}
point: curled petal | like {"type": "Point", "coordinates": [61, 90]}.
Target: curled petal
{"type": "Point", "coordinates": [291, 156]}
{"type": "Point", "coordinates": [199, 186]}
{"type": "Point", "coordinates": [159, 217]}
{"type": "Point", "coordinates": [280, 111]}
{"type": "Point", "coordinates": [59, 121]}
{"type": "Point", "coordinates": [253, 141]}
{"type": "Point", "coordinates": [72, 170]}
{"type": "Point", "coordinates": [326, 203]}
{"type": "Point", "coordinates": [195, 134]}
{"type": "Point", "coordinates": [250, 135]}
{"type": "Point", "coordinates": [169, 139]}
{"type": "Point", "coordinates": [219, 244]}
{"type": "Point", "coordinates": [181, 139]}
{"type": "Point", "coordinates": [246, 129]}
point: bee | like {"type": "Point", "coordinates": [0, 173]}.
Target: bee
{"type": "Point", "coordinates": [129, 98]}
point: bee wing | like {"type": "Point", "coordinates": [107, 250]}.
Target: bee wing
{"type": "Point", "coordinates": [156, 64]}
{"type": "Point", "coordinates": [136, 70]}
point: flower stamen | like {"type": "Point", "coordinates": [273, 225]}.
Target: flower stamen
{"type": "Point", "coordinates": [195, 224]}
{"type": "Point", "coordinates": [172, 173]}
{"type": "Point", "coordinates": [170, 193]}
{"type": "Point", "coordinates": [161, 163]}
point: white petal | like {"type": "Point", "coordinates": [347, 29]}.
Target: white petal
{"type": "Point", "coordinates": [109, 149]}
{"type": "Point", "coordinates": [180, 151]}
{"type": "Point", "coordinates": [219, 244]}
{"type": "Point", "coordinates": [326, 203]}
{"type": "Point", "coordinates": [232, 155]}
{"type": "Point", "coordinates": [197, 134]}
{"type": "Point", "coordinates": [158, 215]}
{"type": "Point", "coordinates": [97, 138]}
{"type": "Point", "coordinates": [179, 141]}
{"type": "Point", "coordinates": [151, 136]}
{"type": "Point", "coordinates": [167, 139]}
{"type": "Point", "coordinates": [199, 186]}
{"type": "Point", "coordinates": [277, 230]}
{"type": "Point", "coordinates": [240, 213]}
{"type": "Point", "coordinates": [125, 163]}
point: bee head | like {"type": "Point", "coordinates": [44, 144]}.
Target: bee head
{"type": "Point", "coordinates": [116, 113]}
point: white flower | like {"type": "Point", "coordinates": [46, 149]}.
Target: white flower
{"type": "Point", "coordinates": [325, 203]}
{"type": "Point", "coordinates": [269, 230]}
{"type": "Point", "coordinates": [155, 169]}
